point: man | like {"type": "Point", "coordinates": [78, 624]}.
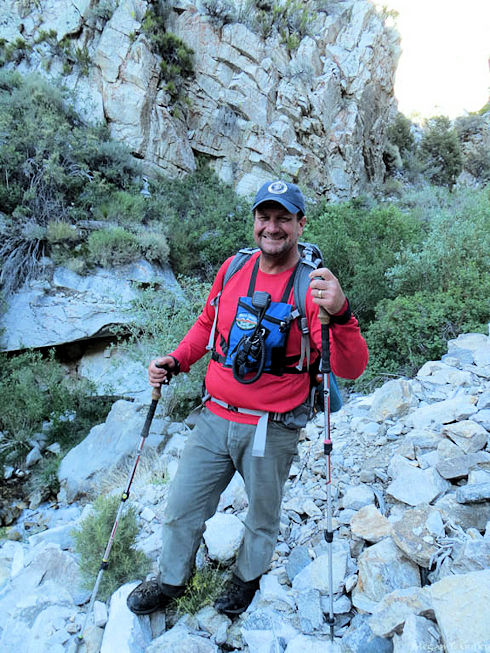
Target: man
{"type": "Point", "coordinates": [243, 425]}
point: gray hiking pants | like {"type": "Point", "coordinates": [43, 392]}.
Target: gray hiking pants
{"type": "Point", "coordinates": [215, 449]}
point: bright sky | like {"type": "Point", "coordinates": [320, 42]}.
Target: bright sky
{"type": "Point", "coordinates": [444, 65]}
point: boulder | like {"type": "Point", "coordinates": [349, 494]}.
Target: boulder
{"type": "Point", "coordinates": [461, 609]}
{"type": "Point", "coordinates": [72, 307]}
{"type": "Point", "coordinates": [396, 608]}
{"type": "Point", "coordinates": [417, 532]}
{"type": "Point", "coordinates": [393, 400]}
{"type": "Point", "coordinates": [223, 536]}
{"type": "Point", "coordinates": [419, 634]}
{"type": "Point", "coordinates": [105, 448]}
{"type": "Point", "coordinates": [125, 631]}
{"type": "Point", "coordinates": [382, 569]}
{"type": "Point", "coordinates": [414, 486]}
{"type": "Point", "coordinates": [370, 524]}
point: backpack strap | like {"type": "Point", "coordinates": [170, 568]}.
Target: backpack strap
{"type": "Point", "coordinates": [311, 259]}
{"type": "Point", "coordinates": [237, 262]}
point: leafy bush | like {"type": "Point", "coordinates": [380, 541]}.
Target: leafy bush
{"type": "Point", "coordinates": [35, 391]}
{"type": "Point", "coordinates": [110, 247]}
{"type": "Point", "coordinates": [443, 284]}
{"type": "Point", "coordinates": [440, 151]}
{"type": "Point", "coordinates": [411, 329]}
{"type": "Point", "coordinates": [53, 168]}
{"type": "Point", "coordinates": [206, 222]}
{"type": "Point", "coordinates": [177, 58]}
{"type": "Point", "coordinates": [203, 589]}
{"type": "Point", "coordinates": [153, 246]}
{"type": "Point", "coordinates": [125, 562]}
{"type": "Point", "coordinates": [454, 252]}
{"type": "Point", "coordinates": [161, 320]}
{"type": "Point", "coordinates": [359, 244]}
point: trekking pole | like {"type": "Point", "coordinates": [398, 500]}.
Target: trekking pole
{"type": "Point", "coordinates": [155, 396]}
{"type": "Point", "coordinates": [325, 368]}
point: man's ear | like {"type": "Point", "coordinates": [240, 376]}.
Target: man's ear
{"type": "Point", "coordinates": [302, 222]}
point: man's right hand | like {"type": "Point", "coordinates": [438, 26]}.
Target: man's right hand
{"type": "Point", "coordinates": [159, 375]}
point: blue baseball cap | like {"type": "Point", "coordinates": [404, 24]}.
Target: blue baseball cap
{"type": "Point", "coordinates": [288, 195]}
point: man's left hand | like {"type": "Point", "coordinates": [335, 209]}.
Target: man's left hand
{"type": "Point", "coordinates": [326, 291]}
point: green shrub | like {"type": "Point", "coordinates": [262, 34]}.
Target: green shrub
{"type": "Point", "coordinates": [440, 152]}
{"type": "Point", "coordinates": [177, 63]}
{"type": "Point", "coordinates": [153, 246]}
{"type": "Point", "coordinates": [34, 390]}
{"type": "Point", "coordinates": [203, 589]}
{"type": "Point", "coordinates": [54, 169]}
{"type": "Point", "coordinates": [410, 330]}
{"type": "Point", "coordinates": [400, 134]}
{"type": "Point", "coordinates": [110, 247]}
{"type": "Point", "coordinates": [455, 250]}
{"type": "Point", "coordinates": [160, 321]}
{"type": "Point", "coordinates": [125, 562]}
{"type": "Point", "coordinates": [206, 222]}
{"type": "Point", "coordinates": [59, 231]}
{"type": "Point", "coordinates": [359, 244]}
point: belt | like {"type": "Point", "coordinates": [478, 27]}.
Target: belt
{"type": "Point", "coordinates": [258, 447]}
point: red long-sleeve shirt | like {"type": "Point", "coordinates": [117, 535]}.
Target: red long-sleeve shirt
{"type": "Point", "coordinates": [348, 349]}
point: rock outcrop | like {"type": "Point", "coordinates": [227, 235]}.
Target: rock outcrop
{"type": "Point", "coordinates": [410, 570]}
{"type": "Point", "coordinates": [316, 113]}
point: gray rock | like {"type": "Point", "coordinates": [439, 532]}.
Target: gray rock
{"type": "Point", "coordinates": [105, 447]}
{"type": "Point", "coordinates": [179, 639]}
{"type": "Point", "coordinates": [359, 638]}
{"type": "Point", "coordinates": [415, 486]}
{"type": "Point", "coordinates": [482, 417]}
{"type": "Point", "coordinates": [357, 496]}
{"type": "Point", "coordinates": [100, 614]}
{"type": "Point", "coordinates": [214, 623]}
{"type": "Point", "coordinates": [309, 610]}
{"type": "Point", "coordinates": [395, 608]}
{"type": "Point", "coordinates": [315, 575]}
{"type": "Point", "coordinates": [461, 608]}
{"type": "Point", "coordinates": [60, 535]}
{"type": "Point", "coordinates": [416, 534]}
{"type": "Point", "coordinates": [124, 630]}
{"type": "Point", "coordinates": [473, 493]}
{"type": "Point", "coordinates": [76, 307]}
{"type": "Point", "coordinates": [474, 555]}
{"type": "Point", "coordinates": [223, 536]}
{"type": "Point", "coordinates": [468, 435]}
{"type": "Point", "coordinates": [394, 399]}
{"type": "Point", "coordinates": [464, 515]}
{"type": "Point", "coordinates": [442, 412]}
{"type": "Point", "coordinates": [419, 634]}
{"type": "Point", "coordinates": [440, 373]}
{"type": "Point", "coordinates": [311, 644]}
{"type": "Point", "coordinates": [382, 569]}
{"type": "Point", "coordinates": [33, 457]}
{"type": "Point", "coordinates": [297, 560]}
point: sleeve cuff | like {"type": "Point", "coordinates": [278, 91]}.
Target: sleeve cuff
{"type": "Point", "coordinates": [343, 316]}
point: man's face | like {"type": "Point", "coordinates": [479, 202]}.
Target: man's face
{"type": "Point", "coordinates": [276, 231]}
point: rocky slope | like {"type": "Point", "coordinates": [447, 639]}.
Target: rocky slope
{"type": "Point", "coordinates": [255, 108]}
{"type": "Point", "coordinates": [411, 550]}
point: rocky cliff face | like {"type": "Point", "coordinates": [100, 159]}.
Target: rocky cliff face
{"type": "Point", "coordinates": [316, 113]}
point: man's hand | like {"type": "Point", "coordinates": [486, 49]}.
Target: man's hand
{"type": "Point", "coordinates": [326, 291]}
{"type": "Point", "coordinates": [158, 375]}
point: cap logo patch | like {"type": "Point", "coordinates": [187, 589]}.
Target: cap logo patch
{"type": "Point", "coordinates": [278, 188]}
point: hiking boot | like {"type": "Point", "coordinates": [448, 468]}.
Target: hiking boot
{"type": "Point", "coordinates": [237, 596]}
{"type": "Point", "coordinates": [151, 596]}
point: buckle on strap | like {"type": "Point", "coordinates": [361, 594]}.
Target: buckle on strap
{"type": "Point", "coordinates": [258, 447]}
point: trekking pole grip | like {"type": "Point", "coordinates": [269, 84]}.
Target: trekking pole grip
{"type": "Point", "coordinates": [324, 318]}
{"type": "Point", "coordinates": [157, 392]}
